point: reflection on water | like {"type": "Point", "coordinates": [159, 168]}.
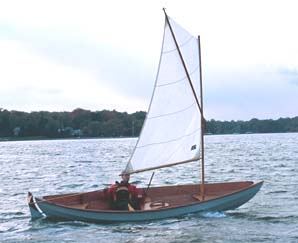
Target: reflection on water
{"type": "Point", "coordinates": [62, 166]}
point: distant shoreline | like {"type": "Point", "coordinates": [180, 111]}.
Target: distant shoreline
{"type": "Point", "coordinates": [80, 123]}
{"type": "Point", "coordinates": [13, 139]}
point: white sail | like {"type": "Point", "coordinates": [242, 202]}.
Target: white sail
{"type": "Point", "coordinates": [172, 129]}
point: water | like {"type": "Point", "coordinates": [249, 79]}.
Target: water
{"type": "Point", "coordinates": [61, 166]}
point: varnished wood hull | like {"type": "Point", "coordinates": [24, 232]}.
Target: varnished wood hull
{"type": "Point", "coordinates": [176, 201]}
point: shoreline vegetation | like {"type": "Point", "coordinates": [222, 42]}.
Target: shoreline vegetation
{"type": "Point", "coordinates": [80, 123]}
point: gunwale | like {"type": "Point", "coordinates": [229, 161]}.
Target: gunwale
{"type": "Point", "coordinates": [245, 185]}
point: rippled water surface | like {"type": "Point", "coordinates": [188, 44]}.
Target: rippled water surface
{"type": "Point", "coordinates": [61, 166]}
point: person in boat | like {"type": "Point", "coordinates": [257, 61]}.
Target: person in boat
{"type": "Point", "coordinates": [125, 196]}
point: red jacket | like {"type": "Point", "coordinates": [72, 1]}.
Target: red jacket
{"type": "Point", "coordinates": [133, 191]}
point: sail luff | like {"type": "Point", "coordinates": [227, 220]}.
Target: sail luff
{"type": "Point", "coordinates": [183, 63]}
{"type": "Point", "coordinates": [128, 164]}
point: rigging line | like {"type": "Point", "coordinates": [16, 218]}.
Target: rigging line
{"type": "Point", "coordinates": [180, 80]}
{"type": "Point", "coordinates": [146, 192]}
{"type": "Point", "coordinates": [186, 42]}
{"type": "Point", "coordinates": [172, 140]}
{"type": "Point", "coordinates": [172, 113]}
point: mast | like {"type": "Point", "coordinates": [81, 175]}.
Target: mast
{"type": "Point", "coordinates": [202, 126]}
{"type": "Point", "coordinates": [202, 187]}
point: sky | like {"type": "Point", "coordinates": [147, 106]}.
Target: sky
{"type": "Point", "coordinates": [61, 55]}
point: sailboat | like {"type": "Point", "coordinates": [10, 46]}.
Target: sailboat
{"type": "Point", "coordinates": [172, 134]}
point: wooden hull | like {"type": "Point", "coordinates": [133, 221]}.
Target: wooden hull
{"type": "Point", "coordinates": [176, 201]}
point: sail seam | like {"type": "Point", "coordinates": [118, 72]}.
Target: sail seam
{"type": "Point", "coordinates": [174, 152]}
{"type": "Point", "coordinates": [164, 166]}
{"type": "Point", "coordinates": [172, 140]}
{"type": "Point", "coordinates": [173, 113]}
{"type": "Point", "coordinates": [180, 80]}
{"type": "Point", "coordinates": [186, 42]}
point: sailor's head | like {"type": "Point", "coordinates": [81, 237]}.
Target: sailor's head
{"type": "Point", "coordinates": [125, 177]}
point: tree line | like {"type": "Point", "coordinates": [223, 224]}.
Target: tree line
{"type": "Point", "coordinates": [86, 123]}
{"type": "Point", "coordinates": [254, 125]}
{"type": "Point", "coordinates": [77, 123]}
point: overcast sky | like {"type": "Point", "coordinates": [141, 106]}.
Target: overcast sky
{"type": "Point", "coordinates": [60, 55]}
